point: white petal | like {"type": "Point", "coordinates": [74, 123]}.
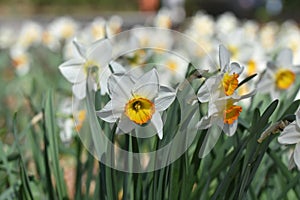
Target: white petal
{"type": "Point", "coordinates": [285, 57]}
{"type": "Point", "coordinates": [210, 140]}
{"type": "Point", "coordinates": [236, 68]}
{"type": "Point", "coordinates": [147, 85]}
{"type": "Point", "coordinates": [291, 161]}
{"type": "Point", "coordinates": [100, 52]}
{"type": "Point", "coordinates": [290, 135]}
{"type": "Point", "coordinates": [120, 87]}
{"type": "Point", "coordinates": [165, 98]}
{"type": "Point", "coordinates": [205, 91]}
{"type": "Point", "coordinates": [125, 124]}
{"type": "Point", "coordinates": [229, 129]}
{"type": "Point", "coordinates": [298, 118]}
{"type": "Point", "coordinates": [103, 79]}
{"type": "Point", "coordinates": [204, 123]}
{"type": "Point", "coordinates": [158, 124]}
{"type": "Point", "coordinates": [80, 48]}
{"type": "Point", "coordinates": [72, 70]}
{"type": "Point", "coordinates": [236, 97]}
{"type": "Point", "coordinates": [297, 155]}
{"type": "Point", "coordinates": [217, 106]}
{"type": "Point", "coordinates": [79, 90]}
{"type": "Point", "coordinates": [108, 114]}
{"type": "Point", "coordinates": [117, 68]}
{"type": "Point", "coordinates": [265, 85]}
{"type": "Point", "coordinates": [224, 57]}
{"type": "Point", "coordinates": [250, 94]}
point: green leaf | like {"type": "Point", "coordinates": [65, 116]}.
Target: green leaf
{"type": "Point", "coordinates": [246, 80]}
{"type": "Point", "coordinates": [13, 192]}
{"type": "Point", "coordinates": [291, 109]}
{"type": "Point", "coordinates": [25, 187]}
{"type": "Point", "coordinates": [52, 146]}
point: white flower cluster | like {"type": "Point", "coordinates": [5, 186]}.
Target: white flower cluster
{"type": "Point", "coordinates": [139, 97]}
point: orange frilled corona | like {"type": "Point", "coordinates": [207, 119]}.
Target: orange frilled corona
{"type": "Point", "coordinates": [231, 113]}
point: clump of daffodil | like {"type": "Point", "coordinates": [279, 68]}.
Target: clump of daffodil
{"type": "Point", "coordinates": [95, 57]}
{"type": "Point", "coordinates": [291, 136]}
{"type": "Point", "coordinates": [220, 91]}
{"type": "Point", "coordinates": [280, 75]}
{"type": "Point", "coordinates": [136, 100]}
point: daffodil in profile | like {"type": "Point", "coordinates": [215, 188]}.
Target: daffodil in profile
{"type": "Point", "coordinates": [92, 57]}
{"type": "Point", "coordinates": [136, 100]}
{"type": "Point", "coordinates": [220, 91]}
{"type": "Point", "coordinates": [280, 75]}
{"type": "Point", "coordinates": [291, 136]}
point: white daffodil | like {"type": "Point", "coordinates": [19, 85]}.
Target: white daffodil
{"type": "Point", "coordinates": [76, 69]}
{"type": "Point", "coordinates": [163, 19]}
{"type": "Point", "coordinates": [267, 36]}
{"type": "Point", "coordinates": [291, 135]}
{"type": "Point", "coordinates": [280, 75]}
{"type": "Point", "coordinates": [94, 30]}
{"type": "Point", "coordinates": [7, 37]}
{"type": "Point", "coordinates": [20, 60]}
{"type": "Point", "coordinates": [114, 25]}
{"type": "Point", "coordinates": [30, 34]}
{"type": "Point", "coordinates": [99, 28]}
{"type": "Point", "coordinates": [137, 101]}
{"type": "Point", "coordinates": [220, 92]}
{"type": "Point", "coordinates": [226, 23]}
{"type": "Point", "coordinates": [203, 25]}
{"type": "Point", "coordinates": [172, 69]}
{"type": "Point", "coordinates": [63, 28]}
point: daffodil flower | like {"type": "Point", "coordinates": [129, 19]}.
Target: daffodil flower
{"type": "Point", "coordinates": [279, 75]}
{"type": "Point", "coordinates": [224, 83]}
{"type": "Point", "coordinates": [136, 101]}
{"type": "Point", "coordinates": [291, 135]}
{"type": "Point", "coordinates": [224, 113]}
{"type": "Point", "coordinates": [220, 93]}
{"type": "Point", "coordinates": [76, 69]}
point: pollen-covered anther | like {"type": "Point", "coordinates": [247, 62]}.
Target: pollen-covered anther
{"type": "Point", "coordinates": [231, 113]}
{"type": "Point", "coordinates": [139, 110]}
{"type": "Point", "coordinates": [230, 83]}
{"type": "Point", "coordinates": [284, 78]}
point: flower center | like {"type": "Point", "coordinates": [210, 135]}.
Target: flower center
{"type": "Point", "coordinates": [284, 78]}
{"type": "Point", "coordinates": [139, 110]}
{"type": "Point", "coordinates": [89, 64]}
{"type": "Point", "coordinates": [231, 113]}
{"type": "Point", "coordinates": [230, 83]}
{"type": "Point", "coordinates": [20, 61]}
{"type": "Point", "coordinates": [67, 31]}
{"type": "Point", "coordinates": [98, 32]}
